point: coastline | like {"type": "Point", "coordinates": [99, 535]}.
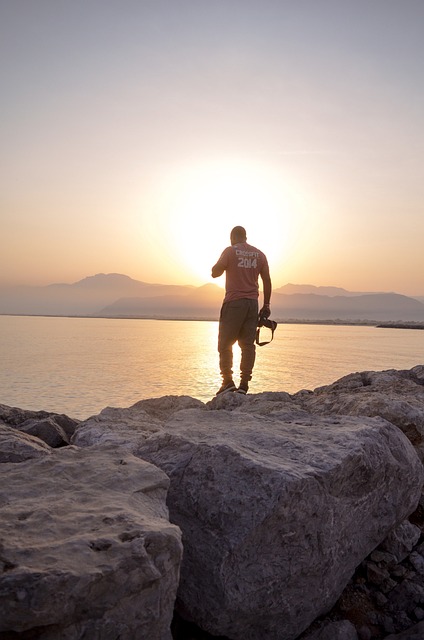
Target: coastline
{"type": "Point", "coordinates": [378, 324]}
{"type": "Point", "coordinates": [401, 325]}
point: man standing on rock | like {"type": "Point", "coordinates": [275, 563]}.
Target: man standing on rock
{"type": "Point", "coordinates": [243, 265]}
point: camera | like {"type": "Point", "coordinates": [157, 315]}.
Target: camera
{"type": "Point", "coordinates": [269, 324]}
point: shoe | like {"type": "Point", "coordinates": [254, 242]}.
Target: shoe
{"type": "Point", "coordinates": [243, 388]}
{"type": "Point", "coordinates": [226, 386]}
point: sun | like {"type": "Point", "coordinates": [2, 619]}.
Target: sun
{"type": "Point", "coordinates": [205, 202]}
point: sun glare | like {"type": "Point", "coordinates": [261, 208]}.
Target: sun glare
{"type": "Point", "coordinates": [209, 200]}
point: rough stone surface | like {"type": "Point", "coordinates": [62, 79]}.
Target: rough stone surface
{"type": "Point", "coordinates": [17, 447]}
{"type": "Point", "coordinates": [87, 550]}
{"type": "Point", "coordinates": [397, 396]}
{"type": "Point", "coordinates": [277, 506]}
{"type": "Point", "coordinates": [128, 426]}
{"type": "Point", "coordinates": [164, 408]}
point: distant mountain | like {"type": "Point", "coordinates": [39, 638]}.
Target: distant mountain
{"type": "Point", "coordinates": [117, 295]}
{"type": "Point", "coordinates": [108, 281]}
{"type": "Point", "coordinates": [203, 302]}
{"type": "Point", "coordinates": [375, 307]}
{"type": "Point", "coordinates": [290, 289]}
{"type": "Point", "coordinates": [84, 297]}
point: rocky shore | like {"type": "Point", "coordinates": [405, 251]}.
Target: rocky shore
{"type": "Point", "coordinates": [270, 516]}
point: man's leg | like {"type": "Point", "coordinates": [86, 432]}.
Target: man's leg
{"type": "Point", "coordinates": [231, 321]}
{"type": "Point", "coordinates": [247, 343]}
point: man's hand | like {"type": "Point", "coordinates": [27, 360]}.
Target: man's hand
{"type": "Point", "coordinates": [265, 312]}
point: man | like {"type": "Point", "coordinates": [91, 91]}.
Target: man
{"type": "Point", "coordinates": [243, 265]}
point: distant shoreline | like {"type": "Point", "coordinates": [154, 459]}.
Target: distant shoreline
{"type": "Point", "coordinates": [329, 322]}
{"type": "Point", "coordinates": [401, 325]}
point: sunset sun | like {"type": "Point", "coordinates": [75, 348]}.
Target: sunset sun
{"type": "Point", "coordinates": [207, 201]}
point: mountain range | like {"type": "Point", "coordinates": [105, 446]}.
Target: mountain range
{"type": "Point", "coordinates": [115, 295]}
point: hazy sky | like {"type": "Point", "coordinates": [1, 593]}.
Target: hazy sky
{"type": "Point", "coordinates": [136, 133]}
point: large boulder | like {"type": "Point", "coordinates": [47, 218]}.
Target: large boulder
{"type": "Point", "coordinates": [87, 550]}
{"type": "Point", "coordinates": [277, 506]}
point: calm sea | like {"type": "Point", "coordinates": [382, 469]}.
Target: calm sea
{"type": "Point", "coordinates": [78, 366]}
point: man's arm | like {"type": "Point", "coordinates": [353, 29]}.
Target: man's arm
{"type": "Point", "coordinates": [267, 285]}
{"type": "Point", "coordinates": [217, 270]}
{"type": "Point", "coordinates": [265, 312]}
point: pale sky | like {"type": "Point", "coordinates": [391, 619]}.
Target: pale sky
{"type": "Point", "coordinates": [135, 133]}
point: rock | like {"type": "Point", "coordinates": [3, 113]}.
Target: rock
{"type": "Point", "coordinates": [117, 426]}
{"type": "Point", "coordinates": [414, 633]}
{"type": "Point", "coordinates": [163, 408]}
{"type": "Point", "coordinates": [87, 550]}
{"type": "Point", "coordinates": [377, 575]}
{"type": "Point", "coordinates": [17, 447]}
{"type": "Point", "coordinates": [46, 430]}
{"type": "Point", "coordinates": [380, 599]}
{"type": "Point", "coordinates": [401, 540]}
{"type": "Point", "coordinates": [384, 557]}
{"type": "Point", "coordinates": [387, 624]}
{"type": "Point", "coordinates": [388, 586]}
{"type": "Point", "coordinates": [397, 396]}
{"type": "Point", "coordinates": [399, 572]}
{"type": "Point", "coordinates": [127, 426]}
{"type": "Point", "coordinates": [417, 562]}
{"type": "Point", "coordinates": [264, 403]}
{"type": "Point", "coordinates": [54, 429]}
{"type": "Point", "coordinates": [364, 633]}
{"type": "Point", "coordinates": [340, 630]}
{"type": "Point", "coordinates": [276, 509]}
{"type": "Point", "coordinates": [419, 613]}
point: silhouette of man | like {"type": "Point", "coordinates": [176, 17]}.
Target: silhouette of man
{"type": "Point", "coordinates": [243, 264]}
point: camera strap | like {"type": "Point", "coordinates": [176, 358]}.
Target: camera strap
{"type": "Point", "coordinates": [270, 324]}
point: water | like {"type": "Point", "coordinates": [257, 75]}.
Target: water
{"type": "Point", "coordinates": [78, 366]}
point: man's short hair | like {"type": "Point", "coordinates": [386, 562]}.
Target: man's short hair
{"type": "Point", "coordinates": [238, 234]}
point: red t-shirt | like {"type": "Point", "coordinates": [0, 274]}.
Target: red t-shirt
{"type": "Point", "coordinates": [243, 265]}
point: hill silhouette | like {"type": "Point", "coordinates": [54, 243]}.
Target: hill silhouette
{"type": "Point", "coordinates": [117, 295]}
